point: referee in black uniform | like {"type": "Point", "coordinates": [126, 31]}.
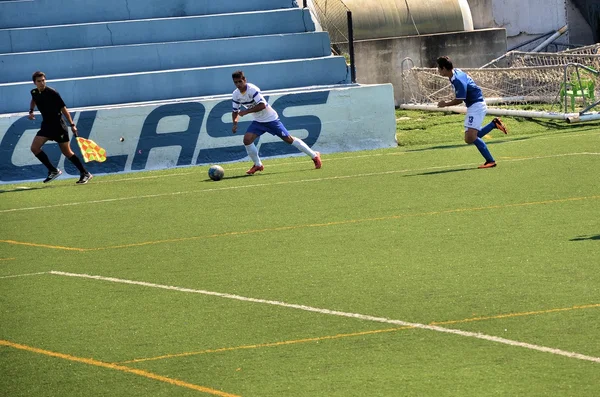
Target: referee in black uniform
{"type": "Point", "coordinates": [52, 107]}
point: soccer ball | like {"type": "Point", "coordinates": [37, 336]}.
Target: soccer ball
{"type": "Point", "coordinates": [216, 172]}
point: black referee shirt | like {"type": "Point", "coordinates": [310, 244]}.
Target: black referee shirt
{"type": "Point", "coordinates": [49, 103]}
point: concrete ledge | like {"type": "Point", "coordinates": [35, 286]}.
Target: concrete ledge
{"type": "Point", "coordinates": [382, 60]}
{"type": "Point", "coordinates": [158, 136]}
{"type": "Point", "coordinates": [155, 30]}
{"type": "Point", "coordinates": [149, 86]}
{"type": "Point", "coordinates": [98, 61]}
{"type": "Point", "coordinates": [17, 14]}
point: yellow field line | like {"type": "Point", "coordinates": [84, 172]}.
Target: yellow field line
{"type": "Point", "coordinates": [346, 222]}
{"type": "Point", "coordinates": [283, 228]}
{"type": "Point", "coordinates": [272, 344]}
{"type": "Point", "coordinates": [56, 247]}
{"type": "Point", "coordinates": [117, 367]}
{"type": "Point", "coordinates": [508, 315]}
{"type": "Point", "coordinates": [7, 259]}
{"type": "Point", "coordinates": [339, 336]}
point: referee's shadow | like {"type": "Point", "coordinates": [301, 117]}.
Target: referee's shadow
{"type": "Point", "coordinates": [22, 189]}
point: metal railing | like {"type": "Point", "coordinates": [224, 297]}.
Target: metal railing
{"type": "Point", "coordinates": [335, 18]}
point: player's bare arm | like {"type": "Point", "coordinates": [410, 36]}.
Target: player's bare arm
{"type": "Point", "coordinates": [454, 102]}
{"type": "Point", "coordinates": [31, 107]}
{"type": "Point", "coordinates": [257, 108]}
{"type": "Point", "coordinates": [65, 111]}
{"type": "Point", "coordinates": [234, 118]}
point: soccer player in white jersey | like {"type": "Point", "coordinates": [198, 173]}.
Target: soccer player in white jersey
{"type": "Point", "coordinates": [266, 119]}
{"type": "Point", "coordinates": [467, 91]}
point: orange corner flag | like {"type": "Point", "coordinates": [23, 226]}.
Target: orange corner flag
{"type": "Point", "coordinates": [90, 150]}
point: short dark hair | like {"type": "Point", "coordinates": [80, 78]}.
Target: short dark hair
{"type": "Point", "coordinates": [445, 63]}
{"type": "Point", "coordinates": [37, 74]}
{"type": "Point", "coordinates": [238, 74]}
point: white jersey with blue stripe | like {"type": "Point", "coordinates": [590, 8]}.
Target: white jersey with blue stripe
{"type": "Point", "coordinates": [250, 99]}
{"type": "Point", "coordinates": [465, 88]}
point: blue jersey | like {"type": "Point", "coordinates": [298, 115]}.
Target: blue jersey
{"type": "Point", "coordinates": [465, 88]}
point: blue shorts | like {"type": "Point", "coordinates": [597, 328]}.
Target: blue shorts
{"type": "Point", "coordinates": [272, 127]}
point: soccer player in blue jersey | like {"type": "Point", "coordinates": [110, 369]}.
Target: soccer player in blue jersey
{"type": "Point", "coordinates": [467, 91]}
{"type": "Point", "coordinates": [266, 119]}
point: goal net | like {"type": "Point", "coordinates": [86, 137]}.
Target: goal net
{"type": "Point", "coordinates": [549, 85]}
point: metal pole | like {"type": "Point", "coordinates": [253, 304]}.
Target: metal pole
{"type": "Point", "coordinates": [351, 46]}
{"type": "Point", "coordinates": [550, 39]}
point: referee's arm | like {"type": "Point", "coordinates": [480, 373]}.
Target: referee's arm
{"type": "Point", "coordinates": [65, 111]}
{"type": "Point", "coordinates": [31, 108]}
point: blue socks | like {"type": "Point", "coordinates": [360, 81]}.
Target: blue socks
{"type": "Point", "coordinates": [485, 130]}
{"type": "Point", "coordinates": [482, 147]}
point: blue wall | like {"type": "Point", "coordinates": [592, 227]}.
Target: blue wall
{"type": "Point", "coordinates": [155, 31]}
{"type": "Point", "coordinates": [161, 56]}
{"type": "Point", "coordinates": [185, 133]}
{"type": "Point", "coordinates": [171, 84]}
{"type": "Point", "coordinates": [16, 14]}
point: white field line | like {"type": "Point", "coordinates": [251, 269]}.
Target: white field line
{"type": "Point", "coordinates": [283, 183]}
{"type": "Point", "coordinates": [351, 157]}
{"type": "Point", "coordinates": [138, 178]}
{"type": "Point", "coordinates": [23, 275]}
{"type": "Point", "coordinates": [334, 159]}
{"type": "Point", "coordinates": [517, 140]}
{"type": "Point", "coordinates": [341, 314]}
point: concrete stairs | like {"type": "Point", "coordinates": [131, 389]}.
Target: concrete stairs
{"type": "Point", "coordinates": [126, 51]}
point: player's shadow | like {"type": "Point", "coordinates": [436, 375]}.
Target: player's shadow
{"type": "Point", "coordinates": [459, 145]}
{"type": "Point", "coordinates": [441, 172]}
{"type": "Point", "coordinates": [453, 146]}
{"type": "Point", "coordinates": [22, 189]}
{"type": "Point", "coordinates": [584, 238]}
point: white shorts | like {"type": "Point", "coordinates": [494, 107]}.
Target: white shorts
{"type": "Point", "coordinates": [475, 115]}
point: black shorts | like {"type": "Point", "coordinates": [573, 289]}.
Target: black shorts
{"type": "Point", "coordinates": [56, 131]}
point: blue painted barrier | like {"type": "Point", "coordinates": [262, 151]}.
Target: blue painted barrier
{"type": "Point", "coordinates": [17, 14]}
{"type": "Point", "coordinates": [155, 30]}
{"type": "Point", "coordinates": [171, 84]}
{"type": "Point", "coordinates": [165, 135]}
{"type": "Point", "coordinates": [162, 56]}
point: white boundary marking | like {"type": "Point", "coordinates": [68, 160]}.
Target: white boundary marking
{"type": "Point", "coordinates": [409, 151]}
{"type": "Point", "coordinates": [23, 275]}
{"type": "Point", "coordinates": [342, 314]}
{"type": "Point", "coordinates": [286, 182]}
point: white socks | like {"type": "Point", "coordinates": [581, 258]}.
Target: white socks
{"type": "Point", "coordinates": [252, 150]}
{"type": "Point", "coordinates": [299, 143]}
{"type": "Point", "coordinates": [253, 153]}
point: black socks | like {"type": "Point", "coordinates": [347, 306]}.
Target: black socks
{"type": "Point", "coordinates": [43, 157]}
{"type": "Point", "coordinates": [75, 160]}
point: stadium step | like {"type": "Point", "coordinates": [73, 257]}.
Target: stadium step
{"type": "Point", "coordinates": [103, 34]}
{"type": "Point", "coordinates": [136, 51]}
{"type": "Point", "coordinates": [61, 64]}
{"type": "Point", "coordinates": [181, 83]}
{"type": "Point", "coordinates": [27, 13]}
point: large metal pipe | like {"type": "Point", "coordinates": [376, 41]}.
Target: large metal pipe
{"type": "Point", "coordinates": [393, 18]}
